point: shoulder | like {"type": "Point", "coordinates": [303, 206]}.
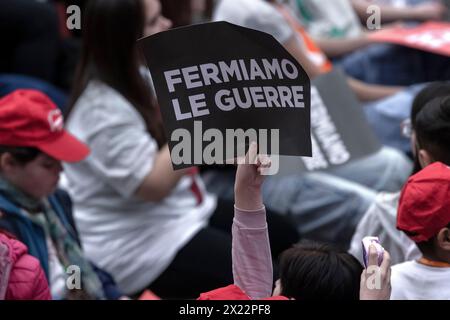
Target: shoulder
{"type": "Point", "coordinates": [229, 8]}
{"type": "Point", "coordinates": [403, 277]}
{"type": "Point", "coordinates": [100, 102]}
{"type": "Point", "coordinates": [257, 15]}
{"type": "Point", "coordinates": [26, 279]}
{"type": "Point", "coordinates": [101, 107]}
{"type": "Point", "coordinates": [231, 292]}
{"type": "Point", "coordinates": [400, 268]}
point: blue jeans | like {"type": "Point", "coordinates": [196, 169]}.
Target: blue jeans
{"type": "Point", "coordinates": [391, 64]}
{"type": "Point", "coordinates": [323, 207]}
{"type": "Point", "coordinates": [326, 206]}
{"type": "Point", "coordinates": [387, 170]}
{"type": "Point", "coordinates": [385, 117]}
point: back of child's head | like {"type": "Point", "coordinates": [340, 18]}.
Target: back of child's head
{"type": "Point", "coordinates": [313, 271]}
{"type": "Point", "coordinates": [432, 127]}
{"type": "Point", "coordinates": [428, 93]}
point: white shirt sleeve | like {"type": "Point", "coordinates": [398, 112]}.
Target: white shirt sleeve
{"type": "Point", "coordinates": [271, 22]}
{"type": "Point", "coordinates": [122, 151]}
{"type": "Point", "coordinates": [255, 14]}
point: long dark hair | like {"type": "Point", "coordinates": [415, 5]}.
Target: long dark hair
{"type": "Point", "coordinates": [110, 54]}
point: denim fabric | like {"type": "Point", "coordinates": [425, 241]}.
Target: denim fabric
{"type": "Point", "coordinates": [11, 82]}
{"type": "Point", "coordinates": [386, 170]}
{"type": "Point", "coordinates": [391, 64]}
{"type": "Point", "coordinates": [385, 117]}
{"type": "Point", "coordinates": [324, 208]}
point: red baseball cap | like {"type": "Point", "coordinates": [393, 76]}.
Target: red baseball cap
{"type": "Point", "coordinates": [424, 206]}
{"type": "Point", "coordinates": [28, 118]}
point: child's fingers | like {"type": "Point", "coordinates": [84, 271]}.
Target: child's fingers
{"type": "Point", "coordinates": [373, 256]}
{"type": "Point", "coordinates": [386, 264]}
{"type": "Point", "coordinates": [248, 158]}
{"type": "Point", "coordinates": [251, 156]}
{"type": "Point", "coordinates": [264, 161]}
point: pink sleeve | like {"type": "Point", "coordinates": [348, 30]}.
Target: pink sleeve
{"type": "Point", "coordinates": [252, 259]}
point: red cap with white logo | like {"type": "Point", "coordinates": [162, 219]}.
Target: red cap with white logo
{"type": "Point", "coordinates": [28, 118]}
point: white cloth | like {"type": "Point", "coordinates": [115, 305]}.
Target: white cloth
{"type": "Point", "coordinates": [328, 19]}
{"type": "Point", "coordinates": [132, 239]}
{"type": "Point", "coordinates": [380, 220]}
{"type": "Point", "coordinates": [56, 272]}
{"type": "Point", "coordinates": [254, 14]}
{"type": "Point", "coordinates": [414, 281]}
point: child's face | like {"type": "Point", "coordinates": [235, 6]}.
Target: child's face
{"type": "Point", "coordinates": [38, 178]}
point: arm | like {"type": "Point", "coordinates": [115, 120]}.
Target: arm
{"type": "Point", "coordinates": [338, 47]}
{"type": "Point", "coordinates": [371, 92]}
{"type": "Point", "coordinates": [421, 12]}
{"type": "Point", "coordinates": [293, 46]}
{"type": "Point", "coordinates": [161, 179]}
{"type": "Point", "coordinates": [364, 91]}
{"type": "Point", "coordinates": [252, 261]}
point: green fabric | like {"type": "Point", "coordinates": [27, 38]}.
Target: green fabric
{"type": "Point", "coordinates": [67, 248]}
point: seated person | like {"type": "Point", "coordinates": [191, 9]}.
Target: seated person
{"type": "Point", "coordinates": [33, 143]}
{"type": "Point", "coordinates": [307, 271]}
{"type": "Point", "coordinates": [326, 206]}
{"type": "Point", "coordinates": [149, 225]}
{"type": "Point", "coordinates": [380, 219]}
{"type": "Point", "coordinates": [424, 212]}
{"type": "Point", "coordinates": [340, 29]}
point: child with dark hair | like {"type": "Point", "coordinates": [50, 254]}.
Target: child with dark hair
{"type": "Point", "coordinates": [147, 224]}
{"type": "Point", "coordinates": [424, 210]}
{"type": "Point", "coordinates": [313, 271]}
{"type": "Point", "coordinates": [33, 142]}
{"type": "Point", "coordinates": [424, 215]}
{"type": "Point", "coordinates": [308, 271]}
{"type": "Point", "coordinates": [380, 218]}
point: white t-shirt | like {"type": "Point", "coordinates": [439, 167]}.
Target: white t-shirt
{"type": "Point", "coordinates": [132, 239]}
{"type": "Point", "coordinates": [56, 273]}
{"type": "Point", "coordinates": [254, 14]}
{"type": "Point", "coordinates": [414, 281]}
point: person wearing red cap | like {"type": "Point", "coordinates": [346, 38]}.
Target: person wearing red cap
{"type": "Point", "coordinates": [381, 217]}
{"type": "Point", "coordinates": [424, 209]}
{"type": "Point", "coordinates": [33, 143]}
